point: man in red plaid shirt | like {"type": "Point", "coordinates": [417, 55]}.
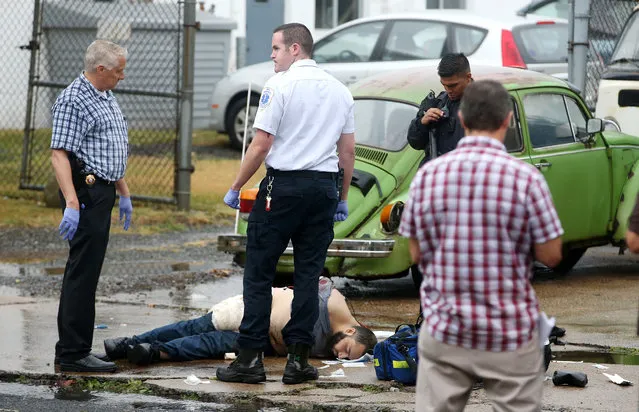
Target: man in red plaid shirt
{"type": "Point", "coordinates": [477, 218]}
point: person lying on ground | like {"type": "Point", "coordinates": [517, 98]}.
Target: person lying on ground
{"type": "Point", "coordinates": [337, 333]}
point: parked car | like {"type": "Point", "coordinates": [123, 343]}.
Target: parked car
{"type": "Point", "coordinates": [593, 174]}
{"type": "Point", "coordinates": [372, 45]}
{"type": "Point", "coordinates": [619, 86]}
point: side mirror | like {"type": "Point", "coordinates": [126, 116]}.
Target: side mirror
{"type": "Point", "coordinates": [594, 126]}
{"type": "Point", "coordinates": [599, 125]}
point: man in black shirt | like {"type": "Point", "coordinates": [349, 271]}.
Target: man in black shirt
{"type": "Point", "coordinates": [438, 116]}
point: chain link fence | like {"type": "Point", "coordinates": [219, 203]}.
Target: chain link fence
{"type": "Point", "coordinates": [607, 18]}
{"type": "Point", "coordinates": [41, 64]}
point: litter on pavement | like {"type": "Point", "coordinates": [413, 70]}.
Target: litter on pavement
{"type": "Point", "coordinates": [194, 380]}
{"type": "Point", "coordinates": [617, 379]}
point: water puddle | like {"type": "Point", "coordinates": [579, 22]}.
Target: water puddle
{"type": "Point", "coordinates": [133, 268]}
{"type": "Point", "coordinates": [597, 357]}
{"type": "Point", "coordinates": [202, 295]}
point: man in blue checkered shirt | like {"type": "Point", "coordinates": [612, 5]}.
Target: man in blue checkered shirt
{"type": "Point", "coordinates": [89, 145]}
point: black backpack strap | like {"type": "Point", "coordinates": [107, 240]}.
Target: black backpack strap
{"type": "Point", "coordinates": [412, 364]}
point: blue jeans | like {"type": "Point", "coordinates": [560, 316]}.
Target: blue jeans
{"type": "Point", "coordinates": [301, 210]}
{"type": "Point", "coordinates": [190, 339]}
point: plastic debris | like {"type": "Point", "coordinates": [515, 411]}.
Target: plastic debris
{"type": "Point", "coordinates": [230, 356]}
{"type": "Point", "coordinates": [598, 366]}
{"type": "Point", "coordinates": [568, 361]}
{"type": "Point", "coordinates": [618, 379]}
{"type": "Point", "coordinates": [394, 389]}
{"type": "Point", "coordinates": [570, 378]}
{"type": "Point", "coordinates": [101, 326]}
{"type": "Point", "coordinates": [194, 380]}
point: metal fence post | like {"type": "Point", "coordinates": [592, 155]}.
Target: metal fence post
{"type": "Point", "coordinates": [578, 47]}
{"type": "Point", "coordinates": [33, 49]}
{"type": "Point", "coordinates": [185, 168]}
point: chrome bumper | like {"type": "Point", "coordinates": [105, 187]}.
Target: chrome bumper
{"type": "Point", "coordinates": [360, 248]}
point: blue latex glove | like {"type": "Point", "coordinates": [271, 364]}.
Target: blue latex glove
{"type": "Point", "coordinates": [126, 210]}
{"type": "Point", "coordinates": [342, 211]}
{"type": "Point", "coordinates": [232, 198]}
{"type": "Point", "coordinates": [69, 223]}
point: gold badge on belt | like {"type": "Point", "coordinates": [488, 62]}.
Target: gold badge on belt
{"type": "Point", "coordinates": [89, 180]}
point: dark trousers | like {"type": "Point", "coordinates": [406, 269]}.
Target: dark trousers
{"type": "Point", "coordinates": [190, 339]}
{"type": "Point", "coordinates": [302, 208]}
{"type": "Point", "coordinates": [76, 312]}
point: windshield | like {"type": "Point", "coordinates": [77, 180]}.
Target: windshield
{"type": "Point", "coordinates": [382, 123]}
{"type": "Point", "coordinates": [628, 46]}
{"type": "Point", "coordinates": [542, 43]}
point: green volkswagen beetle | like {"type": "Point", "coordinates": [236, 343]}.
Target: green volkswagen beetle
{"type": "Point", "coordinates": [590, 170]}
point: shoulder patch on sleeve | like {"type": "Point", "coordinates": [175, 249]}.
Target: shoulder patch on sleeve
{"type": "Point", "coordinates": [267, 96]}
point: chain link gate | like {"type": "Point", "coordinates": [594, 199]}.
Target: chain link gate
{"type": "Point", "coordinates": [607, 18]}
{"type": "Point", "coordinates": [149, 96]}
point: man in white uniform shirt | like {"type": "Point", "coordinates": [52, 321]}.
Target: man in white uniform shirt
{"type": "Point", "coordinates": [304, 119]}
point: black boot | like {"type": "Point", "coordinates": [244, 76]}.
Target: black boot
{"type": "Point", "coordinates": [143, 354]}
{"type": "Point", "coordinates": [247, 368]}
{"type": "Point", "coordinates": [116, 348]}
{"type": "Point", "coordinates": [297, 368]}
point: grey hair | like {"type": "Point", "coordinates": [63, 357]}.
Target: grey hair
{"type": "Point", "coordinates": [103, 53]}
{"type": "Point", "coordinates": [485, 105]}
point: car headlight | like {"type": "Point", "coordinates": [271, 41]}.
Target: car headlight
{"type": "Point", "coordinates": [391, 216]}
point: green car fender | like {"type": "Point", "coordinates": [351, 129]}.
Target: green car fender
{"type": "Point", "coordinates": [626, 203]}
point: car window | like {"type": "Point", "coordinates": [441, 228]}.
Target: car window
{"type": "Point", "coordinates": [628, 46]}
{"type": "Point", "coordinates": [466, 39]}
{"type": "Point", "coordinates": [547, 118]}
{"type": "Point", "coordinates": [382, 124]}
{"type": "Point", "coordinates": [353, 44]}
{"type": "Point", "coordinates": [557, 8]}
{"type": "Point", "coordinates": [415, 40]}
{"type": "Point", "coordinates": [513, 141]}
{"type": "Point", "coordinates": [578, 120]}
{"type": "Point", "coordinates": [542, 43]}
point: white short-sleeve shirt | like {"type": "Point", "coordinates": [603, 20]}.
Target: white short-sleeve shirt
{"type": "Point", "coordinates": [307, 110]}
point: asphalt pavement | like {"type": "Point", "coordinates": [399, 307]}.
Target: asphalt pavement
{"type": "Point", "coordinates": [595, 305]}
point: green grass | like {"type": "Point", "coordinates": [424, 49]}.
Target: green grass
{"type": "Point", "coordinates": [209, 184]}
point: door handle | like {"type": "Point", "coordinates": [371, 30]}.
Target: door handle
{"type": "Point", "coordinates": [542, 164]}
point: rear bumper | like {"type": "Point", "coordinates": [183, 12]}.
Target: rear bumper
{"type": "Point", "coordinates": [354, 248]}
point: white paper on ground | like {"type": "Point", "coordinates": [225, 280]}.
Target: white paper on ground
{"type": "Point", "coordinates": [354, 365]}
{"type": "Point", "coordinates": [617, 379]}
{"type": "Point", "coordinates": [367, 357]}
{"type": "Point", "coordinates": [194, 380]}
{"type": "Point", "coordinates": [598, 366]}
{"type": "Point", "coordinates": [337, 374]}
{"type": "Point", "coordinates": [568, 361]}
{"type": "Point", "coordinates": [331, 362]}
{"type": "Point", "coordinates": [383, 334]}
{"type": "Point", "coordinates": [544, 326]}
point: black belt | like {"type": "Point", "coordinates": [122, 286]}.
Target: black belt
{"type": "Point", "coordinates": [315, 174]}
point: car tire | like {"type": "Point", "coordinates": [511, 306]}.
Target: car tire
{"type": "Point", "coordinates": [569, 260]}
{"type": "Point", "coordinates": [417, 276]}
{"type": "Point", "coordinates": [234, 121]}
